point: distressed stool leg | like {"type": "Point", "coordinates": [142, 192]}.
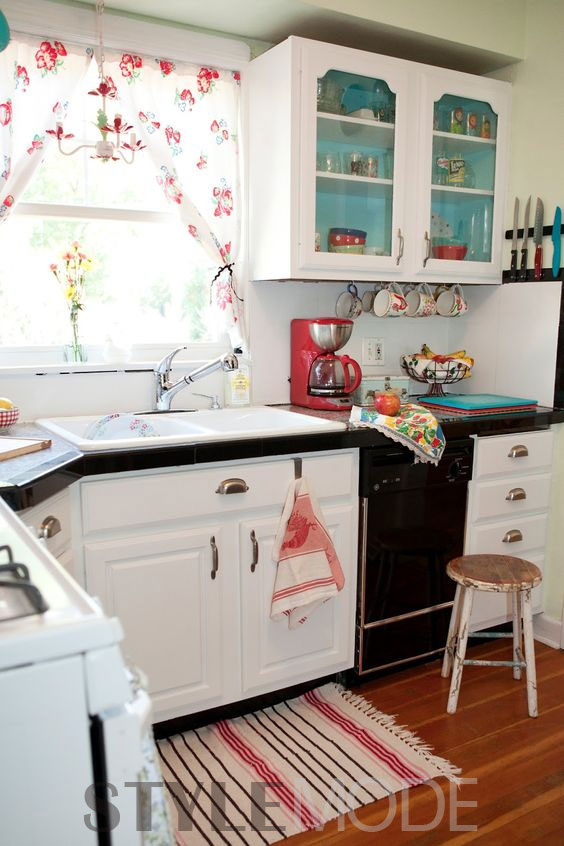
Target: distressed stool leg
{"type": "Point", "coordinates": [463, 627]}
{"type": "Point", "coordinates": [452, 633]}
{"type": "Point", "coordinates": [530, 654]}
{"type": "Point", "coordinates": [517, 654]}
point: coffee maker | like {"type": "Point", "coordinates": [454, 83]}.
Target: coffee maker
{"type": "Point", "coordinates": [319, 378]}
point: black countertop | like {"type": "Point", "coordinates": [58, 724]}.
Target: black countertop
{"type": "Point", "coordinates": [30, 479]}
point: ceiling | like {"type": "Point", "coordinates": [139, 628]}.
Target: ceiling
{"type": "Point", "coordinates": [273, 20]}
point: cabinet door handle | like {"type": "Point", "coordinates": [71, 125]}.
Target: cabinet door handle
{"type": "Point", "coordinates": [518, 451]}
{"type": "Point", "coordinates": [428, 250]}
{"type": "Point", "coordinates": [232, 486]}
{"type": "Point", "coordinates": [516, 493]}
{"type": "Point", "coordinates": [215, 557]}
{"type": "Point", "coordinates": [255, 560]}
{"type": "Point", "coordinates": [49, 527]}
{"type": "Point", "coordinates": [512, 536]}
{"type": "Point", "coordinates": [401, 241]}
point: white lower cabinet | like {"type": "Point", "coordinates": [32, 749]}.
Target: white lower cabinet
{"type": "Point", "coordinates": [206, 641]}
{"type": "Point", "coordinates": [508, 511]}
{"type": "Point", "coordinates": [272, 653]}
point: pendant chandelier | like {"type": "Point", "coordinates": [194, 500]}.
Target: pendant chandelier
{"type": "Point", "coordinates": [111, 146]}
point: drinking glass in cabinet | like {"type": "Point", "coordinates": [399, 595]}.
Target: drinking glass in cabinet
{"type": "Point", "coordinates": [360, 133]}
{"type": "Point", "coordinates": [462, 179]}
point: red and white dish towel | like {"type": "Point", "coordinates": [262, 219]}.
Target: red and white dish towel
{"type": "Point", "coordinates": [308, 572]}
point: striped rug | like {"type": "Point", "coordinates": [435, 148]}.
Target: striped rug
{"type": "Point", "coordinates": [268, 775]}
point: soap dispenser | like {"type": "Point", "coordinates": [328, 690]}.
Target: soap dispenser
{"type": "Point", "coordinates": [237, 384]}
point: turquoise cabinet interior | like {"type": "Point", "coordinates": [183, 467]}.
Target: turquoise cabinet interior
{"type": "Point", "coordinates": [354, 163]}
{"type": "Point", "coordinates": [463, 172]}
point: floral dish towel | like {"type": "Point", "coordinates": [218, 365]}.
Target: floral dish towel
{"type": "Point", "coordinates": [414, 427]}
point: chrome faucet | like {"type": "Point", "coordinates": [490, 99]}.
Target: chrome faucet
{"type": "Point", "coordinates": [165, 390]}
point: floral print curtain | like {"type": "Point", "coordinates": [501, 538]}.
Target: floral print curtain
{"type": "Point", "coordinates": [37, 80]}
{"type": "Point", "coordinates": [188, 118]}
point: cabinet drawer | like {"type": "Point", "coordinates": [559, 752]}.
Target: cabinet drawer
{"type": "Point", "coordinates": [490, 609]}
{"type": "Point", "coordinates": [490, 499]}
{"type": "Point", "coordinates": [183, 495]}
{"type": "Point", "coordinates": [57, 506]}
{"type": "Point", "coordinates": [489, 539]}
{"type": "Point", "coordinates": [493, 456]}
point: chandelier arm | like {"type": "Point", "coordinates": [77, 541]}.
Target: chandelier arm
{"type": "Point", "coordinates": [76, 149]}
{"type": "Point", "coordinates": [127, 161]}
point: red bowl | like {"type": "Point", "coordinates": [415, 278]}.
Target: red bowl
{"type": "Point", "coordinates": [346, 240]}
{"type": "Point", "coordinates": [8, 416]}
{"type": "Point", "coordinates": [450, 252]}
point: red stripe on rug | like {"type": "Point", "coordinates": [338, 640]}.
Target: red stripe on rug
{"type": "Point", "coordinates": [283, 791]}
{"type": "Point", "coordinates": [366, 739]}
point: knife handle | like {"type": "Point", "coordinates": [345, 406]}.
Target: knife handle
{"type": "Point", "coordinates": [523, 268]}
{"type": "Point", "coordinates": [538, 262]}
{"type": "Point", "coordinates": [513, 271]}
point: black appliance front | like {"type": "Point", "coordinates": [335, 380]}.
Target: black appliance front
{"type": "Point", "coordinates": [412, 524]}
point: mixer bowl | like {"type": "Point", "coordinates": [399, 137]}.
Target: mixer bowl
{"type": "Point", "coordinates": [330, 334]}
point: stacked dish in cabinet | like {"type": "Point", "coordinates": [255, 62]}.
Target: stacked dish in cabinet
{"type": "Point", "coordinates": [508, 510]}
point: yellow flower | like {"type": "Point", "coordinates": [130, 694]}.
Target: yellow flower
{"type": "Point", "coordinates": [69, 293]}
{"type": "Point", "coordinates": [87, 263]}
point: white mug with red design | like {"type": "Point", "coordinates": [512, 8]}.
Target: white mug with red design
{"type": "Point", "coordinates": [390, 302]}
{"type": "Point", "coordinates": [420, 302]}
{"type": "Point", "coordinates": [450, 301]}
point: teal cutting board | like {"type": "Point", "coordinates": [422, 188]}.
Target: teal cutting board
{"type": "Point", "coordinates": [475, 402]}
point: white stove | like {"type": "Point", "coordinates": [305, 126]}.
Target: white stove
{"type": "Point", "coordinates": [69, 715]}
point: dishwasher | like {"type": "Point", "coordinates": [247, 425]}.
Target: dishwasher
{"type": "Point", "coordinates": [412, 519]}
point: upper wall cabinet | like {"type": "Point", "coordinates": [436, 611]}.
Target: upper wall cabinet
{"type": "Point", "coordinates": [366, 167]}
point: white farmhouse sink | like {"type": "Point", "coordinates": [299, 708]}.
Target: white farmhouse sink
{"type": "Point", "coordinates": [188, 427]}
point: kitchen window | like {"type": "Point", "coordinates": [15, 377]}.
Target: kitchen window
{"type": "Point", "coordinates": [150, 281]}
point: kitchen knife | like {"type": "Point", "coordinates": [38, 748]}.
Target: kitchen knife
{"type": "Point", "coordinates": [556, 229]}
{"type": "Point", "coordinates": [513, 271]}
{"type": "Point", "coordinates": [524, 249]}
{"type": "Point", "coordinates": [537, 238]}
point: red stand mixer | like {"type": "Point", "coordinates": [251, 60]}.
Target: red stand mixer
{"type": "Point", "coordinates": [319, 378]}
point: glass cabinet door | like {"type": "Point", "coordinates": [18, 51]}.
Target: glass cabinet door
{"type": "Point", "coordinates": [352, 219]}
{"type": "Point", "coordinates": [462, 219]}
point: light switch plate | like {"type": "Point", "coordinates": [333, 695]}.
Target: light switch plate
{"type": "Point", "coordinates": [372, 351]}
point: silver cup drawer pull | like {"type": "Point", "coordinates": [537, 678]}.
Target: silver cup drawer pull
{"type": "Point", "coordinates": [232, 486]}
{"type": "Point", "coordinates": [516, 493]}
{"type": "Point", "coordinates": [518, 451]}
{"type": "Point", "coordinates": [215, 557]}
{"type": "Point", "coordinates": [255, 560]}
{"type": "Point", "coordinates": [512, 536]}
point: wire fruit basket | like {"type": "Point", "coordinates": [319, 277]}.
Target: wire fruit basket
{"type": "Point", "coordinates": [435, 373]}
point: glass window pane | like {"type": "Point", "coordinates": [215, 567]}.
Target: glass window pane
{"type": "Point", "coordinates": [355, 164]}
{"type": "Point", "coordinates": [154, 289]}
{"type": "Point", "coordinates": [463, 179]}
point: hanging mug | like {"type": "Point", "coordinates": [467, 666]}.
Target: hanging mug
{"type": "Point", "coordinates": [390, 302]}
{"type": "Point", "coordinates": [349, 305]}
{"type": "Point", "coordinates": [450, 301]}
{"type": "Point", "coordinates": [420, 302]}
{"type": "Point", "coordinates": [368, 298]}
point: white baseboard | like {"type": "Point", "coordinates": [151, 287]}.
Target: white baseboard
{"type": "Point", "coordinates": [548, 630]}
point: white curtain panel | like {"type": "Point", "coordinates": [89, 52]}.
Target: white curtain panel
{"type": "Point", "coordinates": [37, 80]}
{"type": "Point", "coordinates": [188, 118]}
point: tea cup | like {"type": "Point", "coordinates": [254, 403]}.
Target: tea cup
{"type": "Point", "coordinates": [450, 301]}
{"type": "Point", "coordinates": [420, 302]}
{"type": "Point", "coordinates": [390, 302]}
{"type": "Point", "coordinates": [368, 298]}
{"type": "Point", "coordinates": [349, 304]}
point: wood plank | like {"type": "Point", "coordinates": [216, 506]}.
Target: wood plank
{"type": "Point", "coordinates": [13, 447]}
{"type": "Point", "coordinates": [518, 761]}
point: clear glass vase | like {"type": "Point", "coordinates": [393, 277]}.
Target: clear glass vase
{"type": "Point", "coordinates": [75, 351]}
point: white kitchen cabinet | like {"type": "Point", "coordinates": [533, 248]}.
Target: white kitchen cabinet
{"type": "Point", "coordinates": [507, 512]}
{"type": "Point", "coordinates": [51, 521]}
{"type": "Point", "coordinates": [146, 552]}
{"type": "Point", "coordinates": [172, 611]}
{"type": "Point", "coordinates": [272, 653]}
{"type": "Point", "coordinates": [342, 138]}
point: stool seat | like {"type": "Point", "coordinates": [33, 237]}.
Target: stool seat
{"type": "Point", "coordinates": [499, 573]}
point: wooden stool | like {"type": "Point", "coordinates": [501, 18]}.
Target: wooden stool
{"type": "Point", "coordinates": [501, 574]}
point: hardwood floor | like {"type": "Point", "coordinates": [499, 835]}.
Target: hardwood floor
{"type": "Point", "coordinates": [518, 761]}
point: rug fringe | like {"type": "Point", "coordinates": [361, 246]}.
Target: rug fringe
{"type": "Point", "coordinates": [388, 722]}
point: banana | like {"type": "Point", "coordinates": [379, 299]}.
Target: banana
{"type": "Point", "coordinates": [428, 352]}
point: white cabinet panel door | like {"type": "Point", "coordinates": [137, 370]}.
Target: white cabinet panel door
{"type": "Point", "coordinates": [272, 655]}
{"type": "Point", "coordinates": [171, 610]}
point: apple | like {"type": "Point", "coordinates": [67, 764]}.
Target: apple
{"type": "Point", "coordinates": [387, 403]}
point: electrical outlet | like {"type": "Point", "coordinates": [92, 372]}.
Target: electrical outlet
{"type": "Point", "coordinates": [373, 351]}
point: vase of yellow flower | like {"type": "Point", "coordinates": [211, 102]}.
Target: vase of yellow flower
{"type": "Point", "coordinates": [71, 275]}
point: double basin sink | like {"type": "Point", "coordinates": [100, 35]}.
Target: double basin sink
{"type": "Point", "coordinates": [134, 431]}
